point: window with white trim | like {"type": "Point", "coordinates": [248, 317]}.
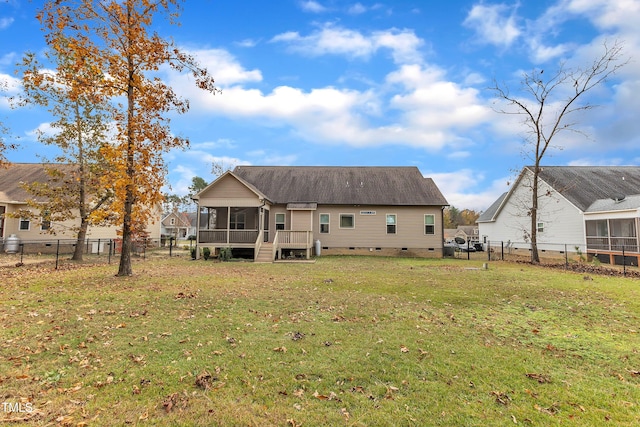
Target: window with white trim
{"type": "Point", "coordinates": [391, 223]}
{"type": "Point", "coordinates": [347, 221]}
{"type": "Point", "coordinates": [540, 227]}
{"type": "Point", "coordinates": [429, 224]}
{"type": "Point", "coordinates": [324, 223]}
{"type": "Point", "coordinates": [25, 224]}
{"type": "Point", "coordinates": [280, 221]}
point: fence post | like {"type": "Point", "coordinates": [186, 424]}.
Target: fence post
{"type": "Point", "coordinates": [170, 246]}
{"type": "Point", "coordinates": [566, 256]}
{"type": "Point", "coordinates": [21, 252]}
{"type": "Point", "coordinates": [57, 252]}
{"type": "Point", "coordinates": [624, 263]}
{"type": "Point", "coordinates": [502, 250]}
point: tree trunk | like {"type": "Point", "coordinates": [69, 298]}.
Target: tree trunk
{"type": "Point", "coordinates": [82, 234]}
{"type": "Point", "coordinates": [535, 259]}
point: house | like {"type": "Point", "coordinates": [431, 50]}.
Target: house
{"type": "Point", "coordinates": [581, 208]}
{"type": "Point", "coordinates": [179, 225]}
{"type": "Point", "coordinates": [13, 199]}
{"type": "Point", "coordinates": [272, 211]}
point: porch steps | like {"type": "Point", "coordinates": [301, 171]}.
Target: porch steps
{"type": "Point", "coordinates": [265, 254]}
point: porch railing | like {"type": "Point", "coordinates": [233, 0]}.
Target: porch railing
{"type": "Point", "coordinates": [295, 239]}
{"type": "Point", "coordinates": [227, 236]}
{"type": "Point", "coordinates": [629, 244]}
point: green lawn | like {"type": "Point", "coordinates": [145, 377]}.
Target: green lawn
{"type": "Point", "coordinates": [352, 341]}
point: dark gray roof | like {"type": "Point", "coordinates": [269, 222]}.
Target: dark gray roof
{"type": "Point", "coordinates": [488, 215]}
{"type": "Point", "coordinates": [16, 173]}
{"type": "Point", "coordinates": [343, 185]}
{"type": "Point", "coordinates": [583, 185]}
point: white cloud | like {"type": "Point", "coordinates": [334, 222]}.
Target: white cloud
{"type": "Point", "coordinates": [433, 102]}
{"type": "Point", "coordinates": [357, 9]}
{"type": "Point", "coordinates": [43, 129]}
{"type": "Point", "coordinates": [5, 23]}
{"type": "Point", "coordinates": [224, 67]}
{"type": "Point", "coordinates": [495, 24]}
{"type": "Point", "coordinates": [458, 186]}
{"type": "Point", "coordinates": [312, 6]}
{"type": "Point", "coordinates": [333, 40]}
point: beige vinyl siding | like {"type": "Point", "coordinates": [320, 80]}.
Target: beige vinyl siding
{"type": "Point", "coordinates": [301, 220]}
{"type": "Point", "coordinates": [229, 192]}
{"type": "Point", "coordinates": [65, 230]}
{"type": "Point", "coordinates": [371, 230]}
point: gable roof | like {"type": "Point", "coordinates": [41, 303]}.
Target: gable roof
{"type": "Point", "coordinates": [337, 185]}
{"type": "Point", "coordinates": [583, 185]}
{"type": "Point", "coordinates": [14, 174]}
{"type": "Point", "coordinates": [489, 214]}
{"type": "Point", "coordinates": [580, 185]}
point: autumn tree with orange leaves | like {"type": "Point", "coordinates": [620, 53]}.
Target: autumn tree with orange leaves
{"type": "Point", "coordinates": [73, 189]}
{"type": "Point", "coordinates": [116, 37]}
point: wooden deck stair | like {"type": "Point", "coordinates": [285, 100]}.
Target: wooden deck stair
{"type": "Point", "coordinates": [265, 254]}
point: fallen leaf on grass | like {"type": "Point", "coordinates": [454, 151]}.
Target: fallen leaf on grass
{"type": "Point", "coordinates": [551, 410]}
{"type": "Point", "coordinates": [501, 398]}
{"type": "Point", "coordinates": [404, 349]}
{"type": "Point", "coordinates": [280, 349]}
{"type": "Point", "coordinates": [541, 378]}
{"type": "Point", "coordinates": [204, 380]}
{"type": "Point", "coordinates": [175, 400]}
{"type": "Point", "coordinates": [345, 413]}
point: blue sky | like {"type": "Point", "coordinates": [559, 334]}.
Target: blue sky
{"type": "Point", "coordinates": [374, 83]}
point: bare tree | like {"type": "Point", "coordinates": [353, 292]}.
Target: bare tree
{"type": "Point", "coordinates": [548, 104]}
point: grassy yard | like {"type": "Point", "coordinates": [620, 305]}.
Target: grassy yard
{"type": "Point", "coordinates": [351, 341]}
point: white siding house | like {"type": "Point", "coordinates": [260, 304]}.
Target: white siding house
{"type": "Point", "coordinates": [565, 194]}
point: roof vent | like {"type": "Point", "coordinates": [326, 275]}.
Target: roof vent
{"type": "Point", "coordinates": [618, 198]}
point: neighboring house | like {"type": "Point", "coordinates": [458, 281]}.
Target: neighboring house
{"type": "Point", "coordinates": [13, 199]}
{"type": "Point", "coordinates": [468, 232]}
{"type": "Point", "coordinates": [179, 225]}
{"type": "Point", "coordinates": [276, 211]}
{"type": "Point", "coordinates": [580, 207]}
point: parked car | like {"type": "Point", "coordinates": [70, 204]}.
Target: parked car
{"type": "Point", "coordinates": [462, 245]}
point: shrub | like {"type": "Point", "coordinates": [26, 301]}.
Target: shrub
{"type": "Point", "coordinates": [225, 254]}
{"type": "Point", "coordinates": [206, 253]}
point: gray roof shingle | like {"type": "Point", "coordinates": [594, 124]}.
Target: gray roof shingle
{"type": "Point", "coordinates": [583, 185]}
{"type": "Point", "coordinates": [336, 185]}
{"type": "Point", "coordinates": [16, 173]}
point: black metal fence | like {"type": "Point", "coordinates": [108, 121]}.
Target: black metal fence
{"type": "Point", "coordinates": [549, 253]}
{"type": "Point", "coordinates": [98, 250]}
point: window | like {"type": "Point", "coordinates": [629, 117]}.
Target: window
{"type": "Point", "coordinates": [279, 221]}
{"type": "Point", "coordinates": [24, 224]}
{"type": "Point", "coordinates": [429, 224]}
{"type": "Point", "coordinates": [391, 223]}
{"type": "Point", "coordinates": [237, 221]}
{"type": "Point", "coordinates": [172, 221]}
{"type": "Point", "coordinates": [324, 223]}
{"type": "Point", "coordinates": [347, 221]}
{"type": "Point", "coordinates": [45, 221]}
{"type": "Point", "coordinates": [540, 227]}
